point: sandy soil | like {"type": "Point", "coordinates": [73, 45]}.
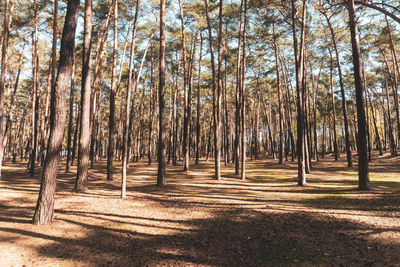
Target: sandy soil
{"type": "Point", "coordinates": [195, 220]}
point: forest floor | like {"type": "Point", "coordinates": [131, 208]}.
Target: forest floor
{"type": "Point", "coordinates": [195, 220]}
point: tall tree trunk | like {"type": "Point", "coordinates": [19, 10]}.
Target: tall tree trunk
{"type": "Point", "coordinates": [216, 95]}
{"type": "Point", "coordinates": [35, 93]}
{"type": "Point", "coordinates": [363, 173]}
{"type": "Point", "coordinates": [125, 146]}
{"type": "Point", "coordinates": [71, 119]}
{"type": "Point", "coordinates": [162, 117]}
{"type": "Point", "coordinates": [84, 137]}
{"type": "Point", "coordinates": [238, 95]}
{"type": "Point", "coordinates": [45, 205]}
{"type": "Point", "coordinates": [186, 94]}
{"type": "Point", "coordinates": [299, 57]}
{"type": "Point", "coordinates": [151, 114]}
{"type": "Point", "coordinates": [198, 102]}
{"type": "Point", "coordinates": [335, 147]}
{"type": "Point", "coordinates": [6, 16]}
{"type": "Point", "coordinates": [278, 80]}
{"type": "Point", "coordinates": [111, 126]}
{"type": "Point", "coordinates": [243, 100]}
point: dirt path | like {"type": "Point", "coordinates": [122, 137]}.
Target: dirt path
{"type": "Point", "coordinates": [195, 220]}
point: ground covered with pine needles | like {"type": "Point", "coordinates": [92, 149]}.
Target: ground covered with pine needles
{"type": "Point", "coordinates": [266, 220]}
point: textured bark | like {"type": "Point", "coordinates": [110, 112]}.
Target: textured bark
{"type": "Point", "coordinates": [35, 93]}
{"type": "Point", "coordinates": [125, 147]}
{"type": "Point", "coordinates": [335, 147]}
{"type": "Point", "coordinates": [71, 120]}
{"type": "Point", "coordinates": [151, 116]}
{"type": "Point", "coordinates": [243, 100]}
{"type": "Point", "coordinates": [84, 136]}
{"type": "Point", "coordinates": [45, 205]}
{"type": "Point", "coordinates": [299, 57]}
{"type": "Point", "coordinates": [236, 149]}
{"type": "Point", "coordinates": [363, 173]}
{"type": "Point", "coordinates": [216, 95]}
{"type": "Point", "coordinates": [278, 80]}
{"type": "Point", "coordinates": [95, 94]}
{"type": "Point", "coordinates": [4, 48]}
{"type": "Point", "coordinates": [186, 121]}
{"type": "Point", "coordinates": [198, 103]}
{"type": "Point", "coordinates": [162, 118]}
{"type": "Point", "coordinates": [111, 125]}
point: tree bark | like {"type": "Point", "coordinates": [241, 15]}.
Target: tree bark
{"type": "Point", "coordinates": [162, 117]}
{"type": "Point", "coordinates": [84, 137]}
{"type": "Point", "coordinates": [243, 100]}
{"type": "Point", "coordinates": [198, 103]}
{"type": "Point", "coordinates": [35, 93]}
{"type": "Point", "coordinates": [45, 205]}
{"type": "Point", "coordinates": [363, 173]}
{"type": "Point", "coordinates": [125, 147]}
{"type": "Point", "coordinates": [4, 48]}
{"type": "Point", "coordinates": [216, 94]}
{"type": "Point", "coordinates": [111, 126]}
{"type": "Point", "coordinates": [278, 80]}
{"type": "Point", "coordinates": [335, 147]}
{"type": "Point", "coordinates": [299, 57]}
{"type": "Point", "coordinates": [70, 159]}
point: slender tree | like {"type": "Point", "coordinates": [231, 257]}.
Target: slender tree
{"type": "Point", "coordinates": [111, 126]}
{"type": "Point", "coordinates": [162, 115]}
{"type": "Point", "coordinates": [363, 173]}
{"type": "Point", "coordinates": [44, 211]}
{"type": "Point", "coordinates": [84, 137]}
{"type": "Point", "coordinates": [125, 147]}
{"type": "Point", "coordinates": [4, 48]}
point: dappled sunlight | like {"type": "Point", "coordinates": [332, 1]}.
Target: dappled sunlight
{"type": "Point", "coordinates": [195, 219]}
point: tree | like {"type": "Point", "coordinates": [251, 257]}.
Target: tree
{"type": "Point", "coordinates": [299, 60]}
{"type": "Point", "coordinates": [84, 137]}
{"type": "Point", "coordinates": [125, 147]}
{"type": "Point", "coordinates": [363, 173]}
{"type": "Point", "coordinates": [44, 211]}
{"type": "Point", "coordinates": [111, 126]}
{"type": "Point", "coordinates": [4, 48]}
{"type": "Point", "coordinates": [344, 105]}
{"type": "Point", "coordinates": [162, 117]}
{"type": "Point", "coordinates": [35, 93]}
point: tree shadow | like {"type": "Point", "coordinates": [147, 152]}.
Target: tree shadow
{"type": "Point", "coordinates": [233, 237]}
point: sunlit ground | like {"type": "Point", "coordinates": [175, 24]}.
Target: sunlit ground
{"type": "Point", "coordinates": [195, 220]}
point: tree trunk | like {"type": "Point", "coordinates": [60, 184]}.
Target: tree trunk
{"type": "Point", "coordinates": [71, 119]}
{"type": "Point", "coordinates": [6, 16]}
{"type": "Point", "coordinates": [216, 94]}
{"type": "Point", "coordinates": [162, 117]}
{"type": "Point", "coordinates": [335, 147]}
{"type": "Point", "coordinates": [243, 100]}
{"type": "Point", "coordinates": [84, 137]}
{"type": "Point", "coordinates": [299, 57]}
{"type": "Point", "coordinates": [363, 173]}
{"type": "Point", "coordinates": [280, 111]}
{"type": "Point", "coordinates": [35, 93]}
{"type": "Point", "coordinates": [45, 205]}
{"type": "Point", "coordinates": [238, 96]}
{"type": "Point", "coordinates": [198, 103]}
{"type": "Point", "coordinates": [111, 126]}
